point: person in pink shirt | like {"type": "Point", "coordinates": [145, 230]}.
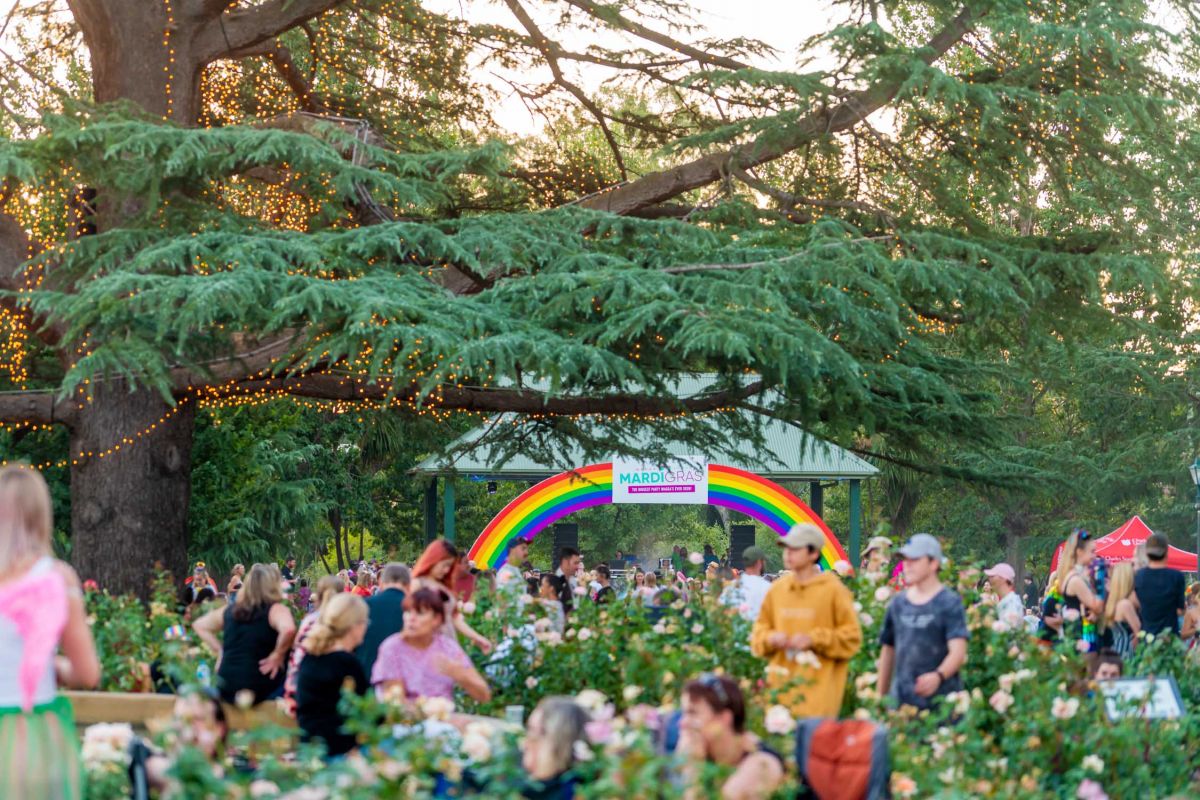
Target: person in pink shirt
{"type": "Point", "coordinates": [41, 612]}
{"type": "Point", "coordinates": [419, 661]}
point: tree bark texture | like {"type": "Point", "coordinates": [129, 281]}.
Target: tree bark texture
{"type": "Point", "coordinates": [130, 509]}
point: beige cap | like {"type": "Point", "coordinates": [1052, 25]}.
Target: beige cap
{"type": "Point", "coordinates": [878, 543]}
{"type": "Point", "coordinates": [803, 534]}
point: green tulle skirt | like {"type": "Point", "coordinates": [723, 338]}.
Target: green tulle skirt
{"type": "Point", "coordinates": [39, 753]}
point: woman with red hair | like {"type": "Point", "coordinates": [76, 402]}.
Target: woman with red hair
{"type": "Point", "coordinates": [439, 568]}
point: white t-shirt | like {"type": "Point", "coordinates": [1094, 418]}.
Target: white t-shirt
{"type": "Point", "coordinates": [747, 595]}
{"type": "Point", "coordinates": [1010, 610]}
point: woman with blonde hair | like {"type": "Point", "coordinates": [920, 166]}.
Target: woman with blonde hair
{"type": "Point", "coordinates": [1082, 608]}
{"type": "Point", "coordinates": [328, 587]}
{"type": "Point", "coordinates": [258, 630]}
{"type": "Point", "coordinates": [555, 728]}
{"type": "Point", "coordinates": [363, 583]}
{"type": "Point", "coordinates": [329, 664]}
{"type": "Point", "coordinates": [1120, 623]}
{"type": "Point", "coordinates": [41, 611]}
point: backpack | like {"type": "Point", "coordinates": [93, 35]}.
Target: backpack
{"type": "Point", "coordinates": [843, 759]}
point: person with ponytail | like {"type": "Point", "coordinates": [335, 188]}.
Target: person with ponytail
{"type": "Point", "coordinates": [439, 568]}
{"type": "Point", "coordinates": [1082, 607]}
{"type": "Point", "coordinates": [327, 587]}
{"type": "Point", "coordinates": [329, 665]}
{"type": "Point", "coordinates": [1120, 624]}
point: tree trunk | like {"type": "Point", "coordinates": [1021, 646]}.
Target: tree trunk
{"type": "Point", "coordinates": [324, 561]}
{"type": "Point", "coordinates": [362, 537]}
{"type": "Point", "coordinates": [130, 508]}
{"type": "Point", "coordinates": [900, 520]}
{"type": "Point", "coordinates": [1017, 521]}
{"type": "Point", "coordinates": [335, 522]}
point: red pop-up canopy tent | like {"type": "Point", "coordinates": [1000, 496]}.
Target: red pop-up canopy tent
{"type": "Point", "coordinates": [1121, 543]}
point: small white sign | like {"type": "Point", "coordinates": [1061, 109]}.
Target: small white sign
{"type": "Point", "coordinates": [681, 481]}
{"type": "Point", "coordinates": [1143, 698]}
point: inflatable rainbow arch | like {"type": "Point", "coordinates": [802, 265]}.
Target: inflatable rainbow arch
{"type": "Point", "coordinates": [554, 498]}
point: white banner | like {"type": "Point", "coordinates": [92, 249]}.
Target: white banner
{"type": "Point", "coordinates": [682, 480]}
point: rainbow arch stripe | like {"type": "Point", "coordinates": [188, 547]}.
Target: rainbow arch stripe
{"type": "Point", "coordinates": [554, 498]}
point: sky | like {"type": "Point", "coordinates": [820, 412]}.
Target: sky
{"type": "Point", "coordinates": [782, 24]}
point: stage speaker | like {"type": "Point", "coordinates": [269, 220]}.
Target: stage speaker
{"type": "Point", "coordinates": [566, 534]}
{"type": "Point", "coordinates": [740, 537]}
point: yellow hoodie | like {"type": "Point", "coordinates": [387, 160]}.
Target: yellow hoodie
{"type": "Point", "coordinates": [823, 608]}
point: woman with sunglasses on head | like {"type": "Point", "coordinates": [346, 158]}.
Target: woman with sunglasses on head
{"type": "Point", "coordinates": [438, 568]}
{"type": "Point", "coordinates": [713, 730]}
{"type": "Point", "coordinates": [1082, 606]}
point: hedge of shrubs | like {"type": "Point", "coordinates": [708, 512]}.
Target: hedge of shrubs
{"type": "Point", "coordinates": [1028, 725]}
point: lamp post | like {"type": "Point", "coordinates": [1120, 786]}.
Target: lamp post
{"type": "Point", "coordinates": [1195, 470]}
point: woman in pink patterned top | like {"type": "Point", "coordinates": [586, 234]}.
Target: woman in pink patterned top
{"type": "Point", "coordinates": [41, 611]}
{"type": "Point", "coordinates": [420, 661]}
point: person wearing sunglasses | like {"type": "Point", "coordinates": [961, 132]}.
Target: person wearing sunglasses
{"type": "Point", "coordinates": [1081, 603]}
{"type": "Point", "coordinates": [713, 730]}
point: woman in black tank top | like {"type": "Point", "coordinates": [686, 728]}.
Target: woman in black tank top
{"type": "Point", "coordinates": [257, 633]}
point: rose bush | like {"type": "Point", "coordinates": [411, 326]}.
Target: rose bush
{"type": "Point", "coordinates": [1027, 725]}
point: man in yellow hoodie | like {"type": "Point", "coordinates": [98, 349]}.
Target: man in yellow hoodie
{"type": "Point", "coordinates": [808, 628]}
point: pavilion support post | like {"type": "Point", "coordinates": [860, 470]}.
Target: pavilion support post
{"type": "Point", "coordinates": [448, 508]}
{"type": "Point", "coordinates": [855, 521]}
{"type": "Point", "coordinates": [431, 497]}
{"type": "Point", "coordinates": [816, 496]}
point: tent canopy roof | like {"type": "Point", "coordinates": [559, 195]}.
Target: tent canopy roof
{"type": "Point", "coordinates": [789, 453]}
{"type": "Point", "coordinates": [1121, 544]}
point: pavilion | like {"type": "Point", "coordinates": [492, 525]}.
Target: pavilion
{"type": "Point", "coordinates": [788, 454]}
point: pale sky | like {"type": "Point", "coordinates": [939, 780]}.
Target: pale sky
{"type": "Point", "coordinates": [782, 24]}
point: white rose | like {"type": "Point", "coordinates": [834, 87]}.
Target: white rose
{"type": "Point", "coordinates": [1064, 709]}
{"type": "Point", "coordinates": [866, 619]}
{"type": "Point", "coordinates": [468, 608]}
{"type": "Point", "coordinates": [1070, 615]}
{"type": "Point", "coordinates": [696, 558]}
{"type": "Point", "coordinates": [581, 590]}
{"type": "Point", "coordinates": [807, 658]}
{"type": "Point", "coordinates": [476, 746]}
{"type": "Point", "coordinates": [841, 567]}
{"type": "Point", "coordinates": [263, 788]}
{"type": "Point", "coordinates": [1001, 701]}
{"type": "Point", "coordinates": [631, 693]}
{"type": "Point", "coordinates": [531, 682]}
{"type": "Point", "coordinates": [581, 751]}
{"type": "Point", "coordinates": [882, 594]}
{"type": "Point", "coordinates": [591, 700]}
{"type": "Point", "coordinates": [961, 701]}
{"type": "Point", "coordinates": [585, 634]}
{"type": "Point", "coordinates": [779, 721]}
{"type": "Point", "coordinates": [697, 628]}
{"type": "Point", "coordinates": [1000, 627]}
{"type": "Point", "coordinates": [1093, 763]}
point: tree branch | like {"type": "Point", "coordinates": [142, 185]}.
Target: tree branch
{"type": "Point", "coordinates": [243, 28]}
{"type": "Point", "coordinates": [36, 407]}
{"type": "Point", "coordinates": [658, 187]}
{"type": "Point", "coordinates": [551, 51]}
{"type": "Point", "coordinates": [611, 16]}
{"type": "Point", "coordinates": [334, 386]}
{"type": "Point", "coordinates": [281, 58]}
{"type": "Point", "coordinates": [15, 250]}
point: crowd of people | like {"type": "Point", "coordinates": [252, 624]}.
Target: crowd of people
{"type": "Point", "coordinates": [398, 631]}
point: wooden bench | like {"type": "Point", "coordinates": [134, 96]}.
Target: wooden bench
{"type": "Point", "coordinates": [139, 708]}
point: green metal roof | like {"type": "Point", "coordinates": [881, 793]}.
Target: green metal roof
{"type": "Point", "coordinates": [789, 453]}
